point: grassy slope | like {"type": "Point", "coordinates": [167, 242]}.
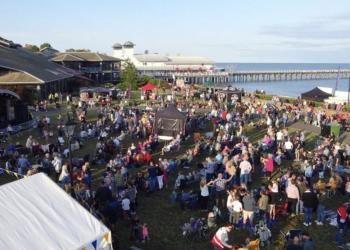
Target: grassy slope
{"type": "Point", "coordinates": [165, 219]}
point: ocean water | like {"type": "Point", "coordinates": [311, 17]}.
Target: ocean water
{"type": "Point", "coordinates": [286, 88]}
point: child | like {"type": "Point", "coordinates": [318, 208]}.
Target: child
{"type": "Point", "coordinates": [145, 234]}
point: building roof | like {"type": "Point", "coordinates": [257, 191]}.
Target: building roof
{"type": "Point", "coordinates": [197, 60]}
{"type": "Point", "coordinates": [128, 44]}
{"type": "Point", "coordinates": [171, 112]}
{"type": "Point", "coordinates": [84, 56]}
{"type": "Point", "coordinates": [117, 46]}
{"type": "Point", "coordinates": [49, 49]}
{"type": "Point", "coordinates": [25, 67]}
{"type": "Point", "coordinates": [151, 58]}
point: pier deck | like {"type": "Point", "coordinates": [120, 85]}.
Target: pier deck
{"type": "Point", "coordinates": [255, 76]}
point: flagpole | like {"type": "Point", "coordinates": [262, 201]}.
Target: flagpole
{"type": "Point", "coordinates": [349, 92]}
{"type": "Point", "coordinates": [336, 82]}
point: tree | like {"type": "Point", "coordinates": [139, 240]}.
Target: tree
{"type": "Point", "coordinates": [130, 77]}
{"type": "Point", "coordinates": [31, 47]}
{"type": "Point", "coordinates": [45, 45]}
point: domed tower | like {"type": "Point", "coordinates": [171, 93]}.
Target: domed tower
{"type": "Point", "coordinates": [117, 50]}
{"type": "Point", "coordinates": [128, 49]}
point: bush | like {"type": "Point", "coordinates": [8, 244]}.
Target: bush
{"type": "Point", "coordinates": [264, 97]}
{"type": "Point", "coordinates": [347, 108]}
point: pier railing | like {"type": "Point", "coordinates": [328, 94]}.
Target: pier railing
{"type": "Point", "coordinates": [256, 76]}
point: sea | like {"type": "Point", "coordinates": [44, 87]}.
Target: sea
{"type": "Point", "coordinates": [286, 88]}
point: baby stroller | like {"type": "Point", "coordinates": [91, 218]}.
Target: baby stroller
{"type": "Point", "coordinates": [196, 228]}
{"type": "Point", "coordinates": [282, 205]}
{"type": "Point", "coordinates": [282, 209]}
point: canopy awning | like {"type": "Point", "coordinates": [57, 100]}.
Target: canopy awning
{"type": "Point", "coordinates": [316, 94]}
{"type": "Point", "coordinates": [148, 87]}
{"type": "Point", "coordinates": [35, 213]}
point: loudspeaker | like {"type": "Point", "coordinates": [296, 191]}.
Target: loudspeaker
{"type": "Point", "coordinates": [325, 130]}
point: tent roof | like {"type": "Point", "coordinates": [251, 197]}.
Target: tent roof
{"type": "Point", "coordinates": [36, 213]}
{"type": "Point", "coordinates": [149, 86]}
{"type": "Point", "coordinates": [315, 94]}
{"type": "Point", "coordinates": [96, 90]}
{"type": "Point", "coordinates": [171, 112]}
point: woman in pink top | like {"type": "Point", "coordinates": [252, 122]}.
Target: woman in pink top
{"type": "Point", "coordinates": [145, 234]}
{"type": "Point", "coordinates": [268, 164]}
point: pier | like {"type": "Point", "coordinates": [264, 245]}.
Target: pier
{"type": "Point", "coordinates": [253, 76]}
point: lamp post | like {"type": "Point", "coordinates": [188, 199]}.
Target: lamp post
{"type": "Point", "coordinates": [38, 89]}
{"type": "Point", "coordinates": [69, 131]}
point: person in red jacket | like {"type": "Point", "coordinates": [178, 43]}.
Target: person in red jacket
{"type": "Point", "coordinates": [342, 216]}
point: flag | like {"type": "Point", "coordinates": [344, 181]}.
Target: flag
{"type": "Point", "coordinates": [106, 237]}
{"type": "Point", "coordinates": [94, 243]}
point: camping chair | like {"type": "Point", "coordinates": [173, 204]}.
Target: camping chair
{"type": "Point", "coordinates": [197, 137]}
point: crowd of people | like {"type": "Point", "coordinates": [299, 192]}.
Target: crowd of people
{"type": "Point", "coordinates": [241, 183]}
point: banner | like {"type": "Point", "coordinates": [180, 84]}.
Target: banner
{"type": "Point", "coordinates": [9, 172]}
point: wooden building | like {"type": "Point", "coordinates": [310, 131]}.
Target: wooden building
{"type": "Point", "coordinates": [100, 68]}
{"type": "Point", "coordinates": [22, 71]}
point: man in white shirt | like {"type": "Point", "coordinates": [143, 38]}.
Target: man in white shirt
{"type": "Point", "coordinates": [246, 168]}
{"type": "Point", "coordinates": [279, 137]}
{"type": "Point", "coordinates": [288, 146]}
{"type": "Point", "coordinates": [126, 206]}
{"type": "Point", "coordinates": [236, 210]}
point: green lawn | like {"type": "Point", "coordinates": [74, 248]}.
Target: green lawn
{"type": "Point", "coordinates": [165, 219]}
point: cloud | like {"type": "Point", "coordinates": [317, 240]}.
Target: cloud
{"type": "Point", "coordinates": [324, 44]}
{"type": "Point", "coordinates": [326, 27]}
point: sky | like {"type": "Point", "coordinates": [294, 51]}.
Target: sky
{"type": "Point", "coordinates": [305, 31]}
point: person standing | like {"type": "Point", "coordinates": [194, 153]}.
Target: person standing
{"type": "Point", "coordinates": [245, 170]}
{"type": "Point", "coordinates": [237, 209]}
{"type": "Point", "coordinates": [310, 201]}
{"type": "Point", "coordinates": [23, 165]}
{"type": "Point", "coordinates": [263, 204]}
{"type": "Point", "coordinates": [293, 196]}
{"type": "Point", "coordinates": [249, 205]}
{"type": "Point", "coordinates": [321, 208]}
{"type": "Point", "coordinates": [220, 187]}
{"type": "Point", "coordinates": [204, 196]}
{"type": "Point", "coordinates": [274, 196]}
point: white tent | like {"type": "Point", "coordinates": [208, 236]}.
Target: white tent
{"type": "Point", "coordinates": [339, 96]}
{"type": "Point", "coordinates": [35, 213]}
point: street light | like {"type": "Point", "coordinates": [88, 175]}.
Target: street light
{"type": "Point", "coordinates": [69, 132]}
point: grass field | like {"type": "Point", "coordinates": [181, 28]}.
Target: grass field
{"type": "Point", "coordinates": [165, 219]}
